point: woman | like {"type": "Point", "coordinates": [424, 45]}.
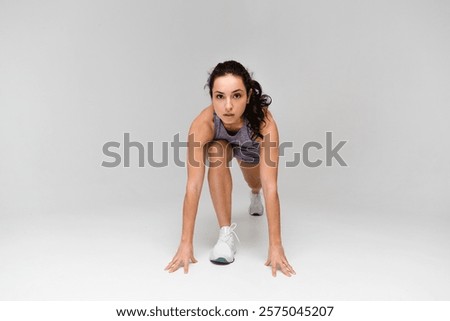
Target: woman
{"type": "Point", "coordinates": [237, 123]}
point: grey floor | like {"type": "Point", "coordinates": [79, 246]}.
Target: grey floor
{"type": "Point", "coordinates": [344, 248]}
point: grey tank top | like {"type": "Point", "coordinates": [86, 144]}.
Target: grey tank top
{"type": "Point", "coordinates": [244, 148]}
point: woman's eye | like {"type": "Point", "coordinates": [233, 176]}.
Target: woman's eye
{"type": "Point", "coordinates": [219, 96]}
{"type": "Point", "coordinates": [237, 96]}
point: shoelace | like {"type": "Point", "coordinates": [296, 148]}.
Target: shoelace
{"type": "Point", "coordinates": [231, 231]}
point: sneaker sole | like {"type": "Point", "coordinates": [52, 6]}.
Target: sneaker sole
{"type": "Point", "coordinates": [256, 214]}
{"type": "Point", "coordinates": [220, 261]}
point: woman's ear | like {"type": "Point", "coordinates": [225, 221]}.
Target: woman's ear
{"type": "Point", "coordinates": [249, 95]}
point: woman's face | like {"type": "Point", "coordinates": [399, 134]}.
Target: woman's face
{"type": "Point", "coordinates": [229, 98]}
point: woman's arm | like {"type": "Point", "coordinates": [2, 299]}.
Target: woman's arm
{"type": "Point", "coordinates": [269, 172]}
{"type": "Point", "coordinates": [199, 134]}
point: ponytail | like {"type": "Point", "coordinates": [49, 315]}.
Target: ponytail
{"type": "Point", "coordinates": [255, 111]}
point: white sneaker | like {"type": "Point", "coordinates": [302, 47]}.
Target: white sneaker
{"type": "Point", "coordinates": [225, 248]}
{"type": "Point", "coordinates": [256, 207]}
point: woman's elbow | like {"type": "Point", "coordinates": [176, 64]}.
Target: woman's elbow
{"type": "Point", "coordinates": [270, 189]}
{"type": "Point", "coordinates": [193, 189]}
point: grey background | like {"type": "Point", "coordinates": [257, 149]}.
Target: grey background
{"type": "Point", "coordinates": [75, 75]}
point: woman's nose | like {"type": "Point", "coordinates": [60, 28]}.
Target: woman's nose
{"type": "Point", "coordinates": [228, 104]}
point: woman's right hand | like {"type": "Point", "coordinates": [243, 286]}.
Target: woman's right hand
{"type": "Point", "coordinates": [184, 256]}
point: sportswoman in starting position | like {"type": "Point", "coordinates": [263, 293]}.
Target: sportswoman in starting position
{"type": "Point", "coordinates": [237, 123]}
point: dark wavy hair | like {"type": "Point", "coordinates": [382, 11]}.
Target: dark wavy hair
{"type": "Point", "coordinates": [255, 111]}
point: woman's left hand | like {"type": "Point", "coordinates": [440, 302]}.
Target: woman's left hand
{"type": "Point", "coordinates": [277, 260]}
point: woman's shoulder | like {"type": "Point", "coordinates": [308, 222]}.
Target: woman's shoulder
{"type": "Point", "coordinates": [205, 117]}
{"type": "Point", "coordinates": [269, 123]}
{"type": "Point", "coordinates": [203, 125]}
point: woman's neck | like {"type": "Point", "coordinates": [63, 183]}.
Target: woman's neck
{"type": "Point", "coordinates": [234, 127]}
